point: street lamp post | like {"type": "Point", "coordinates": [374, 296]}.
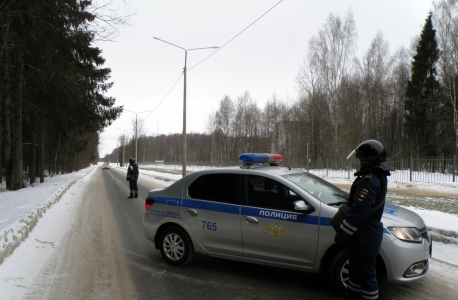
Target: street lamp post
{"type": "Point", "coordinates": [123, 144]}
{"type": "Point", "coordinates": [136, 128]}
{"type": "Point", "coordinates": [184, 98]}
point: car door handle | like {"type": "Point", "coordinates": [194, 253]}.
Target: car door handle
{"type": "Point", "coordinates": [192, 212]}
{"type": "Point", "coordinates": [251, 220]}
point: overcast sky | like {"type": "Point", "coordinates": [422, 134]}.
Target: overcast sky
{"type": "Point", "coordinates": [264, 60]}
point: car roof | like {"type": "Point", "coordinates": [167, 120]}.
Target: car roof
{"type": "Point", "coordinates": [276, 170]}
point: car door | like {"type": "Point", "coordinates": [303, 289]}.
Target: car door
{"type": "Point", "coordinates": [211, 209]}
{"type": "Point", "coordinates": [271, 229]}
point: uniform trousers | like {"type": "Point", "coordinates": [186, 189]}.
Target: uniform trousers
{"type": "Point", "coordinates": [133, 187]}
{"type": "Point", "coordinates": [363, 248]}
{"type": "Point", "coordinates": [363, 282]}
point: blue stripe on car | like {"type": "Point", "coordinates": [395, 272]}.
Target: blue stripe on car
{"type": "Point", "coordinates": [251, 211]}
{"type": "Point", "coordinates": [226, 208]}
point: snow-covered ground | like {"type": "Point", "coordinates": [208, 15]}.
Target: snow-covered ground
{"type": "Point", "coordinates": [30, 214]}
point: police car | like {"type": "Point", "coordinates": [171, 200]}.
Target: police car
{"type": "Point", "coordinates": [274, 216]}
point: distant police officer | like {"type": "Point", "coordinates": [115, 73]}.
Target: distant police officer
{"type": "Point", "coordinates": [132, 177]}
{"type": "Point", "coordinates": [361, 231]}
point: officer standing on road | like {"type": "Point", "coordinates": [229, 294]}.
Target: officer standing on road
{"type": "Point", "coordinates": [361, 231]}
{"type": "Point", "coordinates": [132, 176]}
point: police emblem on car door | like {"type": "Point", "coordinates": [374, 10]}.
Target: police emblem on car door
{"type": "Point", "coordinates": [271, 229]}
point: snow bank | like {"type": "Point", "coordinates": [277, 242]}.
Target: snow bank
{"type": "Point", "coordinates": [20, 210]}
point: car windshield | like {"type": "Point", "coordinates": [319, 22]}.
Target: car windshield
{"type": "Point", "coordinates": [319, 188]}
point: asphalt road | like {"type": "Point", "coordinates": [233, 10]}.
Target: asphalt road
{"type": "Point", "coordinates": [206, 277]}
{"type": "Point", "coordinates": [107, 256]}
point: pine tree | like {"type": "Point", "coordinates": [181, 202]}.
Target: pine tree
{"type": "Point", "coordinates": [423, 95]}
{"type": "Point", "coordinates": [52, 87]}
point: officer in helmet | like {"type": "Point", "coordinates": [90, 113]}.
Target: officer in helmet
{"type": "Point", "coordinates": [132, 177]}
{"type": "Point", "coordinates": [361, 231]}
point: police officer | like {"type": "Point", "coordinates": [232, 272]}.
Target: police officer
{"type": "Point", "coordinates": [132, 177]}
{"type": "Point", "coordinates": [361, 231]}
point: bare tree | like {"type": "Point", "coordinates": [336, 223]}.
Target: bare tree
{"type": "Point", "coordinates": [245, 124]}
{"type": "Point", "coordinates": [399, 76]}
{"type": "Point", "coordinates": [374, 74]}
{"type": "Point", "coordinates": [108, 21]}
{"type": "Point", "coordinates": [211, 128]}
{"type": "Point", "coordinates": [445, 20]}
{"type": "Point", "coordinates": [224, 122]}
{"type": "Point", "coordinates": [329, 59]}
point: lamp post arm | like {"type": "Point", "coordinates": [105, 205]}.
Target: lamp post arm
{"type": "Point", "coordinates": [169, 43]}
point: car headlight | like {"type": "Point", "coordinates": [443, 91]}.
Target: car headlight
{"type": "Point", "coordinates": [407, 234]}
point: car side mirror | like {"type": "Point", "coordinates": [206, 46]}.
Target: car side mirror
{"type": "Point", "coordinates": [301, 206]}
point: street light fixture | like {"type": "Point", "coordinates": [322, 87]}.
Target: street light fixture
{"type": "Point", "coordinates": [184, 98]}
{"type": "Point", "coordinates": [136, 128]}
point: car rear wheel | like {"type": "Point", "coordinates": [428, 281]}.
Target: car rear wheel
{"type": "Point", "coordinates": [176, 246]}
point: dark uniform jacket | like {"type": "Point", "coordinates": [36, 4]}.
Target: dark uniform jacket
{"type": "Point", "coordinates": [132, 172]}
{"type": "Point", "coordinates": [362, 231]}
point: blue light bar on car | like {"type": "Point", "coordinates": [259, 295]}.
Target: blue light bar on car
{"type": "Point", "coordinates": [260, 157]}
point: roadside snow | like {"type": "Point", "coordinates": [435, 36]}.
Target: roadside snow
{"type": "Point", "coordinates": [18, 271]}
{"type": "Point", "coordinates": [20, 210]}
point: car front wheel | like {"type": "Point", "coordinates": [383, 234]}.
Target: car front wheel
{"type": "Point", "coordinates": [176, 246]}
{"type": "Point", "coordinates": [339, 275]}
{"type": "Point", "coordinates": [338, 271]}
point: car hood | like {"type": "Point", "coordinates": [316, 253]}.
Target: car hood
{"type": "Point", "coordinates": [394, 215]}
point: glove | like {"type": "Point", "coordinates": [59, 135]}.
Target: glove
{"type": "Point", "coordinates": [341, 237]}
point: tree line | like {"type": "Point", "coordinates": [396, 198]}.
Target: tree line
{"type": "Point", "coordinates": [406, 100]}
{"type": "Point", "coordinates": [52, 87]}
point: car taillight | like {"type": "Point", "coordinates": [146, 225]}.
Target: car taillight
{"type": "Point", "coordinates": [149, 202]}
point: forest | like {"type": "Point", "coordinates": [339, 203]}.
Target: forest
{"type": "Point", "coordinates": [52, 87]}
{"type": "Point", "coordinates": [406, 100]}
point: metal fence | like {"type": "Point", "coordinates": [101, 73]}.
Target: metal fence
{"type": "Point", "coordinates": [414, 169]}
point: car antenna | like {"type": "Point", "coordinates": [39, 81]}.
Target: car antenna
{"type": "Point", "coordinates": [285, 165]}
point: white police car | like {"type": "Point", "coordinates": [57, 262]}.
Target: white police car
{"type": "Point", "coordinates": [274, 216]}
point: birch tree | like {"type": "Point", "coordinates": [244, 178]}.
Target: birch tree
{"type": "Point", "coordinates": [374, 74]}
{"type": "Point", "coordinates": [224, 121]}
{"type": "Point", "coordinates": [330, 56]}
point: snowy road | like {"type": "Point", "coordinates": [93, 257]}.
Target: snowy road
{"type": "Point", "coordinates": [90, 245]}
{"type": "Point", "coordinates": [88, 262]}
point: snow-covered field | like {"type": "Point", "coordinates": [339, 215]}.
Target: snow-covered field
{"type": "Point", "coordinates": [41, 208]}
